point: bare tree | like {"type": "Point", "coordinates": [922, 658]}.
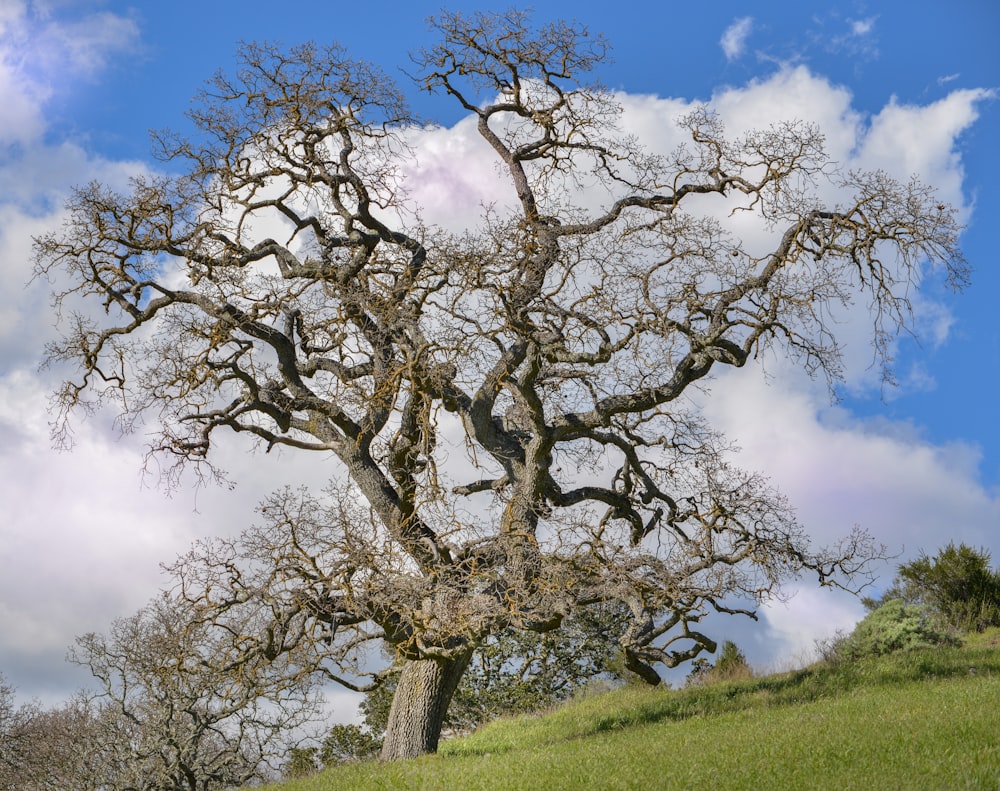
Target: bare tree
{"type": "Point", "coordinates": [48, 749]}
{"type": "Point", "coordinates": [178, 709]}
{"type": "Point", "coordinates": [552, 349]}
{"type": "Point", "coordinates": [15, 736]}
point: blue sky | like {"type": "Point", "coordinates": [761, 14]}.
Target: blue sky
{"type": "Point", "coordinates": [81, 82]}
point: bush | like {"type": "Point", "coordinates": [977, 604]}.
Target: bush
{"type": "Point", "coordinates": [731, 665]}
{"type": "Point", "coordinates": [830, 649]}
{"type": "Point", "coordinates": [894, 626]}
{"type": "Point", "coordinates": [957, 586]}
{"type": "Point", "coordinates": [348, 743]}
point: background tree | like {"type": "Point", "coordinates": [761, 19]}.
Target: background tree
{"type": "Point", "coordinates": [179, 710]}
{"type": "Point", "coordinates": [281, 286]}
{"type": "Point", "coordinates": [15, 736]}
{"type": "Point", "coordinates": [348, 743]}
{"type": "Point", "coordinates": [731, 665]}
{"type": "Point", "coordinates": [520, 671]}
{"type": "Point", "coordinates": [67, 747]}
{"type": "Point", "coordinates": [957, 586]}
{"type": "Point", "coordinates": [341, 744]}
{"type": "Point", "coordinates": [302, 762]}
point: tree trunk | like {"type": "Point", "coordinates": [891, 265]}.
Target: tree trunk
{"type": "Point", "coordinates": [419, 706]}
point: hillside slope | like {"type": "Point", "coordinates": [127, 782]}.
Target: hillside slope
{"type": "Point", "coordinates": [922, 720]}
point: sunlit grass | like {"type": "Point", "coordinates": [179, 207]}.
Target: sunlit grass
{"type": "Point", "coordinates": [927, 719]}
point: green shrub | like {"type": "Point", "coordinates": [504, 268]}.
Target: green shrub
{"type": "Point", "coordinates": [957, 586]}
{"type": "Point", "coordinates": [732, 663]}
{"type": "Point", "coordinates": [894, 626]}
{"type": "Point", "coordinates": [730, 666]}
{"type": "Point", "coordinates": [302, 762]}
{"type": "Point", "coordinates": [348, 743]}
{"type": "Point", "coordinates": [957, 583]}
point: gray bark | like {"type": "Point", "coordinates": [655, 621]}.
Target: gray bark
{"type": "Point", "coordinates": [420, 704]}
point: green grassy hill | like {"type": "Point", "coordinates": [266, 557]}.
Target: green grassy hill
{"type": "Point", "coordinates": [926, 719]}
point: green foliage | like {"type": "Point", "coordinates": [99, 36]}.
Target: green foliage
{"type": "Point", "coordinates": [957, 584]}
{"type": "Point", "coordinates": [345, 743]}
{"type": "Point", "coordinates": [894, 626]}
{"type": "Point", "coordinates": [519, 672]}
{"type": "Point", "coordinates": [731, 665]}
{"type": "Point", "coordinates": [700, 668]}
{"type": "Point", "coordinates": [302, 762]}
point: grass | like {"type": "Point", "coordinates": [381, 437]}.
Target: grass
{"type": "Point", "coordinates": [920, 720]}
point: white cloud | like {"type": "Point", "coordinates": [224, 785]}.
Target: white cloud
{"type": "Point", "coordinates": [453, 175]}
{"type": "Point", "coordinates": [21, 119]}
{"type": "Point", "coordinates": [856, 38]}
{"type": "Point", "coordinates": [734, 38]}
{"type": "Point", "coordinates": [793, 93]}
{"type": "Point", "coordinates": [11, 12]}
{"type": "Point", "coordinates": [87, 45]}
{"type": "Point", "coordinates": [862, 27]}
{"type": "Point", "coordinates": [839, 472]}
{"type": "Point", "coordinates": [797, 623]}
{"type": "Point", "coordinates": [81, 539]}
{"type": "Point", "coordinates": [85, 531]}
{"type": "Point", "coordinates": [41, 55]}
{"type": "Point", "coordinates": [921, 139]}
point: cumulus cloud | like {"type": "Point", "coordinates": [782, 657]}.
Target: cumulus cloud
{"type": "Point", "coordinates": [839, 471]}
{"type": "Point", "coordinates": [85, 532]}
{"type": "Point", "coordinates": [76, 545]}
{"type": "Point", "coordinates": [921, 139]}
{"type": "Point", "coordinates": [452, 176]}
{"type": "Point", "coordinates": [734, 38]}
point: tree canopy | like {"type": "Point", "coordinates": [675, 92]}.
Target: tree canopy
{"type": "Point", "coordinates": [508, 404]}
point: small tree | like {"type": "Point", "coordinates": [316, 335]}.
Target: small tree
{"type": "Point", "coordinates": [180, 708]}
{"type": "Point", "coordinates": [731, 665]}
{"type": "Point", "coordinates": [301, 762]}
{"type": "Point", "coordinates": [348, 743]}
{"type": "Point", "coordinates": [281, 285]}
{"type": "Point", "coordinates": [957, 585]}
